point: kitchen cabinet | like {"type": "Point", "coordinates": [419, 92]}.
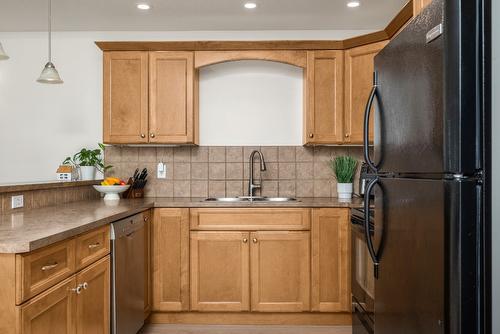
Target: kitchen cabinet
{"type": "Point", "coordinates": [53, 311]}
{"type": "Point", "coordinates": [170, 246]}
{"type": "Point", "coordinates": [125, 97]}
{"type": "Point", "coordinates": [359, 66]}
{"type": "Point", "coordinates": [280, 271]}
{"type": "Point", "coordinates": [150, 97]}
{"type": "Point", "coordinates": [93, 303]}
{"type": "Point", "coordinates": [419, 5]}
{"type": "Point", "coordinates": [220, 271]}
{"type": "Point", "coordinates": [172, 94]}
{"type": "Point", "coordinates": [147, 263]}
{"type": "Point", "coordinates": [323, 115]}
{"type": "Point", "coordinates": [330, 270]}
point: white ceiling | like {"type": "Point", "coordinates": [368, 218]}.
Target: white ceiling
{"type": "Point", "coordinates": [122, 15]}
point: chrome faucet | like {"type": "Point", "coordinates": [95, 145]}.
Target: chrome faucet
{"type": "Point", "coordinates": [251, 185]}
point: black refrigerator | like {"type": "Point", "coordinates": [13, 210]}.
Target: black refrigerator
{"type": "Point", "coordinates": [429, 159]}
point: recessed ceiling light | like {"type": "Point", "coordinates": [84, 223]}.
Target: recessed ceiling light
{"type": "Point", "coordinates": [353, 4]}
{"type": "Point", "coordinates": [250, 5]}
{"type": "Point", "coordinates": [143, 6]}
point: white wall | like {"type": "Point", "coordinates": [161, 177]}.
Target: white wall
{"type": "Point", "coordinates": [496, 165]}
{"type": "Point", "coordinates": [40, 125]}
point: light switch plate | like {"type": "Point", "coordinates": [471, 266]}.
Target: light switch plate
{"type": "Point", "coordinates": [17, 201]}
{"type": "Point", "coordinates": [161, 171]}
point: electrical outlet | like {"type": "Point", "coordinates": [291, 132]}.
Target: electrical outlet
{"type": "Point", "coordinates": [161, 171]}
{"type": "Point", "coordinates": [17, 201]}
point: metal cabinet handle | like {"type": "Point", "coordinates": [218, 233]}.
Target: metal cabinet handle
{"type": "Point", "coordinates": [368, 237]}
{"type": "Point", "coordinates": [77, 290]}
{"type": "Point", "coordinates": [92, 246]}
{"type": "Point", "coordinates": [85, 286]}
{"type": "Point", "coordinates": [245, 240]}
{"type": "Point", "coordinates": [143, 135]}
{"type": "Point", "coordinates": [254, 240]}
{"type": "Point", "coordinates": [366, 126]}
{"type": "Point", "coordinates": [50, 266]}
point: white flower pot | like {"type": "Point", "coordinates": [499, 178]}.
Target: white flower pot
{"type": "Point", "coordinates": [344, 190]}
{"type": "Point", "coordinates": [87, 173]}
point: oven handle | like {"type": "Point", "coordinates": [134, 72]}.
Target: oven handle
{"type": "Point", "coordinates": [368, 237]}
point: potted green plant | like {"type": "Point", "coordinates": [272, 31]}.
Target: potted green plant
{"type": "Point", "coordinates": [88, 161]}
{"type": "Point", "coordinates": [344, 168]}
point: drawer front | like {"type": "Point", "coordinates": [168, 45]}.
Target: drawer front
{"type": "Point", "coordinates": [92, 246]}
{"type": "Point", "coordinates": [39, 270]}
{"type": "Point", "coordinates": [261, 219]}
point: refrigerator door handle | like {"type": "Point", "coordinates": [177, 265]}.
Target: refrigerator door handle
{"type": "Point", "coordinates": [369, 241]}
{"type": "Point", "coordinates": [366, 128]}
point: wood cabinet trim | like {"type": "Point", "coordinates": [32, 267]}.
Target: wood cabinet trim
{"type": "Point", "coordinates": [291, 57]}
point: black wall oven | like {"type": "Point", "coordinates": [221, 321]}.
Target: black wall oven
{"type": "Point", "coordinates": [362, 276]}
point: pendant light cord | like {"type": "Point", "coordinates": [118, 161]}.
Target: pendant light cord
{"type": "Point", "coordinates": [50, 30]}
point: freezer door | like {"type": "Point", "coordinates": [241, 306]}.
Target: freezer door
{"type": "Point", "coordinates": [409, 113]}
{"type": "Point", "coordinates": [410, 225]}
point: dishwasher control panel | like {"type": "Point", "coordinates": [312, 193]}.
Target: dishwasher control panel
{"type": "Point", "coordinates": [127, 226]}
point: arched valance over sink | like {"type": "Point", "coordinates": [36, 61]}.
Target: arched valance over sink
{"type": "Point", "coordinates": [290, 57]}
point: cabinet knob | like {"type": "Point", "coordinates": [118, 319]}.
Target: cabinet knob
{"type": "Point", "coordinates": [152, 135]}
{"type": "Point", "coordinates": [77, 290]}
{"type": "Point", "coordinates": [143, 135]}
{"type": "Point", "coordinates": [145, 219]}
{"type": "Point", "coordinates": [85, 286]}
{"type": "Point", "coordinates": [254, 240]}
{"type": "Point", "coordinates": [347, 135]}
{"type": "Point", "coordinates": [311, 135]}
{"type": "Point", "coordinates": [245, 240]}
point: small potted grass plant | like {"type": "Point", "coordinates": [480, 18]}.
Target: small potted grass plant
{"type": "Point", "coordinates": [88, 161]}
{"type": "Point", "coordinates": [344, 168]}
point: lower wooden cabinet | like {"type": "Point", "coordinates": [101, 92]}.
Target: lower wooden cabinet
{"type": "Point", "coordinates": [170, 246]}
{"type": "Point", "coordinates": [79, 304]}
{"type": "Point", "coordinates": [330, 270]}
{"type": "Point", "coordinates": [53, 311]}
{"type": "Point", "coordinates": [280, 271]}
{"type": "Point", "coordinates": [147, 263]}
{"type": "Point", "coordinates": [220, 271]}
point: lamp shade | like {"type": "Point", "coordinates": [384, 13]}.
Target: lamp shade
{"type": "Point", "coordinates": [3, 55]}
{"type": "Point", "coordinates": [50, 75]}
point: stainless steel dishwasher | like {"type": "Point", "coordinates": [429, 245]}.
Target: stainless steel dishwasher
{"type": "Point", "coordinates": [127, 279]}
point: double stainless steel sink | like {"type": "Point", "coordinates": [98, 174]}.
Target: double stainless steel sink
{"type": "Point", "coordinates": [250, 199]}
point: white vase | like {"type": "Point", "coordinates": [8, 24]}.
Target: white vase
{"type": "Point", "coordinates": [87, 173]}
{"type": "Point", "coordinates": [344, 190]}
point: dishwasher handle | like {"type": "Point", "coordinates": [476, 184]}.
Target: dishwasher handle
{"type": "Point", "coordinates": [127, 227]}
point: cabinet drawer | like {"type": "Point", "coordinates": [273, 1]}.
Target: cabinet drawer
{"type": "Point", "coordinates": [41, 269]}
{"type": "Point", "coordinates": [250, 219]}
{"type": "Point", "coordinates": [92, 246]}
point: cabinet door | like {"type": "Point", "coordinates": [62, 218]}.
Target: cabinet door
{"type": "Point", "coordinates": [331, 288]}
{"type": "Point", "coordinates": [170, 244]}
{"type": "Point", "coordinates": [359, 67]}
{"type": "Point", "coordinates": [125, 97]}
{"type": "Point", "coordinates": [172, 93]}
{"type": "Point", "coordinates": [147, 263]}
{"type": "Point", "coordinates": [93, 308]}
{"type": "Point", "coordinates": [220, 271]}
{"type": "Point", "coordinates": [53, 311]}
{"type": "Point", "coordinates": [280, 271]}
{"type": "Point", "coordinates": [324, 95]}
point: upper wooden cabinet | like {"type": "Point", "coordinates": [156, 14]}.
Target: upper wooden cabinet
{"type": "Point", "coordinates": [359, 66]}
{"type": "Point", "coordinates": [150, 97]}
{"type": "Point", "coordinates": [418, 5]}
{"type": "Point", "coordinates": [323, 114]}
{"type": "Point", "coordinates": [125, 107]}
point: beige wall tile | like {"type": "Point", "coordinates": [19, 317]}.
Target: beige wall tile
{"type": "Point", "coordinates": [130, 154]}
{"type": "Point", "coordinates": [305, 188]}
{"type": "Point", "coordinates": [234, 154]}
{"type": "Point", "coordinates": [217, 154]}
{"type": "Point", "coordinates": [147, 154]}
{"type": "Point", "coordinates": [286, 153]}
{"type": "Point", "coordinates": [234, 171]}
{"type": "Point", "coordinates": [216, 188]}
{"type": "Point", "coordinates": [182, 188]}
{"type": "Point", "coordinates": [286, 171]}
{"type": "Point", "coordinates": [164, 154]}
{"type": "Point", "coordinates": [305, 170]}
{"type": "Point", "coordinates": [112, 154]}
{"type": "Point", "coordinates": [182, 154]}
{"type": "Point", "coordinates": [182, 171]}
{"type": "Point", "coordinates": [322, 170]}
{"type": "Point", "coordinates": [199, 188]}
{"type": "Point", "coordinates": [286, 188]}
{"type": "Point", "coordinates": [217, 171]}
{"type": "Point", "coordinates": [199, 154]}
{"type": "Point", "coordinates": [304, 154]}
{"type": "Point", "coordinates": [234, 188]}
{"type": "Point", "coordinates": [247, 150]}
{"type": "Point", "coordinates": [323, 153]}
{"type": "Point", "coordinates": [165, 189]}
{"type": "Point", "coordinates": [199, 171]}
{"type": "Point", "coordinates": [271, 172]}
{"type": "Point", "coordinates": [270, 153]}
{"type": "Point", "coordinates": [322, 188]}
{"type": "Point", "coordinates": [270, 188]}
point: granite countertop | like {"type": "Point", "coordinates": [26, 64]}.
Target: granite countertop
{"type": "Point", "coordinates": [28, 230]}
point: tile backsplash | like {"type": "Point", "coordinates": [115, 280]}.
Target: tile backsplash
{"type": "Point", "coordinates": [218, 171]}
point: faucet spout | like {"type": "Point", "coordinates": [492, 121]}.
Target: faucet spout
{"type": "Point", "coordinates": [251, 184]}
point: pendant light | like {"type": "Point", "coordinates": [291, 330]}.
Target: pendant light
{"type": "Point", "coordinates": [49, 73]}
{"type": "Point", "coordinates": [3, 55]}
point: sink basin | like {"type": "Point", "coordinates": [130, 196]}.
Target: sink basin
{"type": "Point", "coordinates": [250, 199]}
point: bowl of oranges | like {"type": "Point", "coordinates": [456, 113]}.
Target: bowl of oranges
{"type": "Point", "coordinates": [112, 187]}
